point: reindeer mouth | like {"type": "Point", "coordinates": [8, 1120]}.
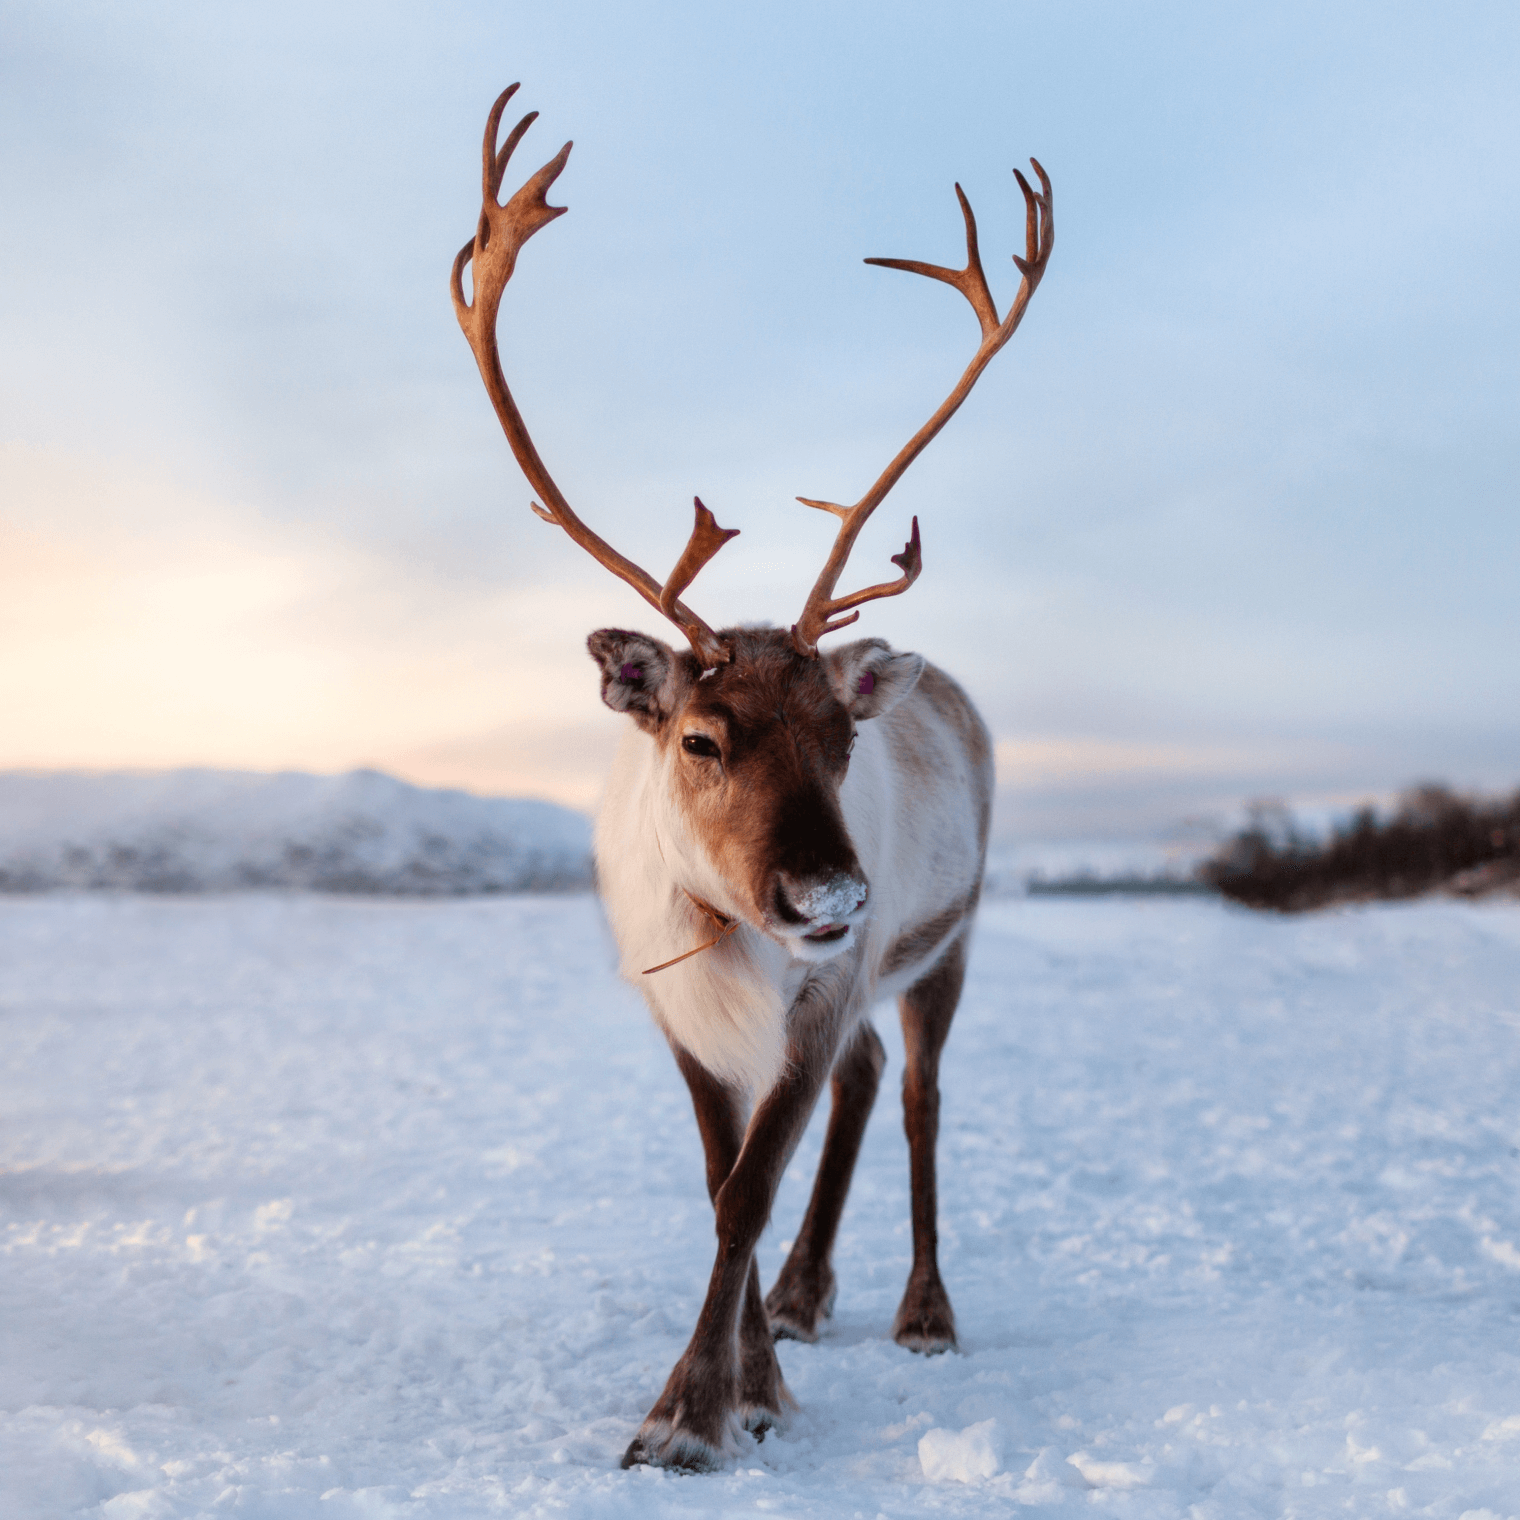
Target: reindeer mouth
{"type": "Point", "coordinates": [828, 934]}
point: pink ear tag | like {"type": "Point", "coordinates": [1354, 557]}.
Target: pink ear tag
{"type": "Point", "coordinates": [630, 674]}
{"type": "Point", "coordinates": [866, 684]}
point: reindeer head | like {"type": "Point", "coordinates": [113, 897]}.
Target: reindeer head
{"type": "Point", "coordinates": [754, 727]}
{"type": "Point", "coordinates": [753, 754]}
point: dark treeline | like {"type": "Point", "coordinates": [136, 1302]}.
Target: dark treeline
{"type": "Point", "coordinates": [1433, 840]}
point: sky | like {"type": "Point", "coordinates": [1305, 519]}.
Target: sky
{"type": "Point", "coordinates": [1233, 515]}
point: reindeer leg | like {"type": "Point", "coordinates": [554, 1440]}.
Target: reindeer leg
{"type": "Point", "coordinates": [764, 1398]}
{"type": "Point", "coordinates": [763, 1395]}
{"type": "Point", "coordinates": [804, 1292]}
{"type": "Point", "coordinates": [754, 1390]}
{"type": "Point", "coordinates": [925, 1321]}
{"type": "Point", "coordinates": [692, 1424]}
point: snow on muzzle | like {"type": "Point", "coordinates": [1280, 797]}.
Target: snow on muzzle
{"type": "Point", "coordinates": [822, 910]}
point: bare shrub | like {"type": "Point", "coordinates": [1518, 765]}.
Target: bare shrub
{"type": "Point", "coordinates": [1434, 840]}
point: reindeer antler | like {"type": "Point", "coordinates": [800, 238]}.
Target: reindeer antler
{"type": "Point", "coordinates": [820, 615]}
{"type": "Point", "coordinates": [492, 255]}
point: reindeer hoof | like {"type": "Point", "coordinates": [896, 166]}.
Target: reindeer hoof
{"type": "Point", "coordinates": [925, 1345]}
{"type": "Point", "coordinates": [925, 1321]}
{"type": "Point", "coordinates": [773, 1412]}
{"type": "Point", "coordinates": [661, 1443]}
{"type": "Point", "coordinates": [678, 1450]}
{"type": "Point", "coordinates": [786, 1330]}
{"type": "Point", "coordinates": [795, 1310]}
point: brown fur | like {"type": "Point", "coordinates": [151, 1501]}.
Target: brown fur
{"type": "Point", "coordinates": [770, 811]}
{"type": "Point", "coordinates": [804, 1292]}
{"type": "Point", "coordinates": [786, 740]}
{"type": "Point", "coordinates": [918, 942]}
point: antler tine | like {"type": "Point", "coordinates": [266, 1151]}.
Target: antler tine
{"type": "Point", "coordinates": [910, 561]}
{"type": "Point", "coordinates": [970, 281]}
{"type": "Point", "coordinates": [495, 161]}
{"type": "Point", "coordinates": [819, 615]}
{"type": "Point", "coordinates": [492, 257]}
{"type": "Point", "coordinates": [705, 541]}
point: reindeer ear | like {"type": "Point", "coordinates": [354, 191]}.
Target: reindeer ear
{"type": "Point", "coordinates": [870, 678]}
{"type": "Point", "coordinates": [641, 676]}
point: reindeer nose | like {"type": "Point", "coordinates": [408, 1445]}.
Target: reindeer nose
{"type": "Point", "coordinates": [829, 901]}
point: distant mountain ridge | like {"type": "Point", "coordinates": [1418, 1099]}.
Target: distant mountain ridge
{"type": "Point", "coordinates": [218, 831]}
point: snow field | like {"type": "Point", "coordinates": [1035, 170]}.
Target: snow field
{"type": "Point", "coordinates": [323, 1207]}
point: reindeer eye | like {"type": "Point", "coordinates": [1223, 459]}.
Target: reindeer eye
{"type": "Point", "coordinates": [700, 744]}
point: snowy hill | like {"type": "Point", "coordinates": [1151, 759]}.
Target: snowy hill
{"type": "Point", "coordinates": [213, 831]}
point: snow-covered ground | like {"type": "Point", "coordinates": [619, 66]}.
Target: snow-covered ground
{"type": "Point", "coordinates": [324, 1207]}
{"type": "Point", "coordinates": [211, 830]}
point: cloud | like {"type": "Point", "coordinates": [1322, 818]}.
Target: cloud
{"type": "Point", "coordinates": [1029, 764]}
{"type": "Point", "coordinates": [146, 624]}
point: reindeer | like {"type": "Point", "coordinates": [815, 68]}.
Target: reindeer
{"type": "Point", "coordinates": [788, 837]}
